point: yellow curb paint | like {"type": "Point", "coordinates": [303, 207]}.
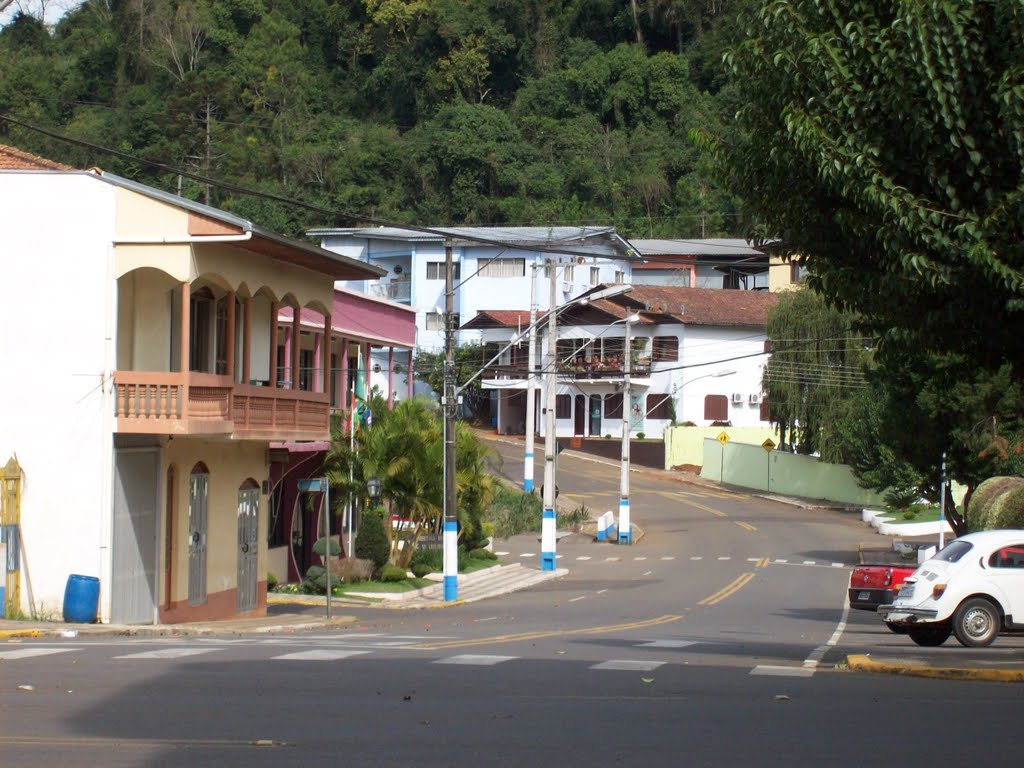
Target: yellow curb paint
{"type": "Point", "coordinates": [20, 633]}
{"type": "Point", "coordinates": [729, 589]}
{"type": "Point", "coordinates": [863, 663]}
{"type": "Point", "coordinates": [494, 639]}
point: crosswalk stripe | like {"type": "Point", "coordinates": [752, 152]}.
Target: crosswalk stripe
{"type": "Point", "coordinates": [667, 643]}
{"type": "Point", "coordinates": [27, 653]}
{"type": "Point", "coordinates": [628, 665]}
{"type": "Point", "coordinates": [318, 655]}
{"type": "Point", "coordinates": [777, 671]}
{"type": "Point", "coordinates": [476, 660]}
{"type": "Point", "coordinates": [169, 653]}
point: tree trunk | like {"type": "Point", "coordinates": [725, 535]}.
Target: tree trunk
{"type": "Point", "coordinates": [955, 519]}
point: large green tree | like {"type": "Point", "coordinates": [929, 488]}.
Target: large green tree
{"type": "Point", "coordinates": [883, 141]}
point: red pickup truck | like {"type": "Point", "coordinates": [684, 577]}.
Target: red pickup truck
{"type": "Point", "coordinates": [875, 584]}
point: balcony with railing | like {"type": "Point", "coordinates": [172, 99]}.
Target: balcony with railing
{"type": "Point", "coordinates": [396, 290]}
{"type": "Point", "coordinates": [206, 404]}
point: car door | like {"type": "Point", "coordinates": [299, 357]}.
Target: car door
{"type": "Point", "coordinates": [1006, 571]}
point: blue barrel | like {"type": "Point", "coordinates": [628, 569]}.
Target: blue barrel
{"type": "Point", "coordinates": [81, 599]}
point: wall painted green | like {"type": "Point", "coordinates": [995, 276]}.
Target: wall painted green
{"type": "Point", "coordinates": [787, 474]}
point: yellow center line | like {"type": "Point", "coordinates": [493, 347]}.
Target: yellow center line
{"type": "Point", "coordinates": [732, 587]}
{"type": "Point", "coordinates": [494, 639]}
{"type": "Point", "coordinates": [748, 526]}
{"type": "Point", "coordinates": [762, 563]}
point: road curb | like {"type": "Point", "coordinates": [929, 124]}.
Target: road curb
{"type": "Point", "coordinates": [863, 663]}
{"type": "Point", "coordinates": [11, 633]}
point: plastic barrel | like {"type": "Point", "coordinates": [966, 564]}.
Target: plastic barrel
{"type": "Point", "coordinates": [81, 599]}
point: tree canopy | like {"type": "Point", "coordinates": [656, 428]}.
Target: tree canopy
{"type": "Point", "coordinates": [884, 142]}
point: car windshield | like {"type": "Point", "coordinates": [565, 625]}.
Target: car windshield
{"type": "Point", "coordinates": [953, 551]}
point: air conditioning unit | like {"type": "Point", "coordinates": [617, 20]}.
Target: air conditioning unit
{"type": "Point", "coordinates": [755, 398]}
{"type": "Point", "coordinates": [737, 397]}
{"type": "Point", "coordinates": [566, 286]}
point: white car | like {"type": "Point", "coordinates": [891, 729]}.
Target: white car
{"type": "Point", "coordinates": [973, 588]}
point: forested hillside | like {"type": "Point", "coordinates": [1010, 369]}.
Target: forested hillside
{"type": "Point", "coordinates": [427, 111]}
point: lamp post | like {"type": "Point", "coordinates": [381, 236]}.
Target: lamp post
{"type": "Point", "coordinates": [373, 489]}
{"type": "Point", "coordinates": [530, 381]}
{"type": "Point", "coordinates": [547, 523]}
{"type": "Point", "coordinates": [625, 523]}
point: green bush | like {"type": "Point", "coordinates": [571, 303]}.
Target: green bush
{"type": "Point", "coordinates": [482, 554]}
{"type": "Point", "coordinates": [640, 435]}
{"type": "Point", "coordinates": [1007, 511]}
{"type": "Point", "coordinates": [420, 570]}
{"type": "Point", "coordinates": [372, 539]}
{"type": "Point", "coordinates": [512, 512]}
{"type": "Point", "coordinates": [392, 573]}
{"type": "Point", "coordinates": [432, 558]}
{"type": "Point", "coordinates": [315, 582]}
{"type": "Point", "coordinates": [351, 570]}
{"type": "Point", "coordinates": [271, 582]}
{"type": "Point", "coordinates": [980, 507]}
{"type": "Point", "coordinates": [321, 545]}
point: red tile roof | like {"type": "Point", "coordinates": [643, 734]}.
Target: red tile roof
{"type": "Point", "coordinates": [15, 159]}
{"type": "Point", "coordinates": [501, 318]}
{"type": "Point", "coordinates": [701, 306]}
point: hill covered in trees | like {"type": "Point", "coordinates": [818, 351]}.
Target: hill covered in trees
{"type": "Point", "coordinates": [428, 111]}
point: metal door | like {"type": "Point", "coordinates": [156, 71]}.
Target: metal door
{"type": "Point", "coordinates": [136, 496]}
{"type": "Point", "coordinates": [198, 490]}
{"type": "Point", "coordinates": [580, 416]}
{"type": "Point", "coordinates": [248, 516]}
{"type": "Point", "coordinates": [595, 415]}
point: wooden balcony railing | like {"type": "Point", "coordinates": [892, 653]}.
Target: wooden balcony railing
{"type": "Point", "coordinates": [204, 404]}
{"type": "Point", "coordinates": [571, 370]}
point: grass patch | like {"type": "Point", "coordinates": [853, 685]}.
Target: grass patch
{"type": "Point", "coordinates": [380, 586]}
{"type": "Point", "coordinates": [514, 511]}
{"type": "Point", "coordinates": [913, 513]}
{"type": "Point", "coordinates": [472, 564]}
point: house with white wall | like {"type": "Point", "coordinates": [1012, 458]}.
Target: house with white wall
{"type": "Point", "coordinates": [149, 365]}
{"type": "Point", "coordinates": [697, 355]}
{"type": "Point", "coordinates": [728, 263]}
{"type": "Point", "coordinates": [494, 268]}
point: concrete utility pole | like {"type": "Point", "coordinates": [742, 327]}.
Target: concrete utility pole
{"type": "Point", "coordinates": [531, 381]}
{"type": "Point", "coordinates": [625, 526]}
{"type": "Point", "coordinates": [547, 525]}
{"type": "Point", "coordinates": [448, 405]}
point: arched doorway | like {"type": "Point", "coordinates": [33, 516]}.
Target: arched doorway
{"type": "Point", "coordinates": [198, 502]}
{"type": "Point", "coordinates": [248, 544]}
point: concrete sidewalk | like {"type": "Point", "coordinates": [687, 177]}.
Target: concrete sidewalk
{"type": "Point", "coordinates": [297, 613]}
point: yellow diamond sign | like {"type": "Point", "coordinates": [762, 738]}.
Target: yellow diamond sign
{"type": "Point", "coordinates": [768, 445]}
{"type": "Point", "coordinates": [723, 438]}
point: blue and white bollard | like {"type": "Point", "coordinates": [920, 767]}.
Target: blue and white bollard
{"type": "Point", "coordinates": [625, 527]}
{"type": "Point", "coordinates": [547, 540]}
{"type": "Point", "coordinates": [451, 560]}
{"type": "Point", "coordinates": [605, 526]}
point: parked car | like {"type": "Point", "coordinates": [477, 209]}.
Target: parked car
{"type": "Point", "coordinates": [973, 588]}
{"type": "Point", "coordinates": [875, 584]}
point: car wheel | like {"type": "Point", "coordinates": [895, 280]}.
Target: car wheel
{"type": "Point", "coordinates": [898, 629]}
{"type": "Point", "coordinates": [976, 622]}
{"type": "Point", "coordinates": [930, 635]}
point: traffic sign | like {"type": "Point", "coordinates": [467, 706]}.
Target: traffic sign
{"type": "Point", "coordinates": [768, 445]}
{"type": "Point", "coordinates": [723, 437]}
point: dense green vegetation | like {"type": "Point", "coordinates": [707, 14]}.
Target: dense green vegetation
{"type": "Point", "coordinates": [426, 111]}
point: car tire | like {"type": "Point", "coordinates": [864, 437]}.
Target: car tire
{"type": "Point", "coordinates": [897, 629]}
{"type": "Point", "coordinates": [930, 635]}
{"type": "Point", "coordinates": [977, 622]}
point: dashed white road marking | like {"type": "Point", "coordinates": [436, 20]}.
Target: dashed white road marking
{"type": "Point", "coordinates": [697, 557]}
{"type": "Point", "coordinates": [753, 559]}
{"type": "Point", "coordinates": [27, 653]}
{"type": "Point", "coordinates": [838, 565]}
{"type": "Point", "coordinates": [780, 561]}
{"type": "Point", "coordinates": [583, 557]}
{"type": "Point", "coordinates": [667, 643]}
{"type": "Point", "coordinates": [648, 573]}
{"type": "Point", "coordinates": [477, 660]}
{"type": "Point", "coordinates": [669, 557]}
{"type": "Point", "coordinates": [169, 653]}
{"type": "Point", "coordinates": [724, 558]}
{"type": "Point", "coordinates": [581, 597]}
{"type": "Point", "coordinates": [528, 554]}
{"type": "Point", "coordinates": [502, 554]}
{"type": "Point", "coordinates": [640, 558]}
{"type": "Point", "coordinates": [601, 591]}
{"type": "Point", "coordinates": [777, 671]}
{"type": "Point", "coordinates": [318, 655]}
{"type": "Point", "coordinates": [809, 562]}
{"type": "Point", "coordinates": [628, 665]}
{"type": "Point", "coordinates": [611, 559]}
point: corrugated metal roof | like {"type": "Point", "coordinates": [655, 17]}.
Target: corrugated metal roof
{"type": "Point", "coordinates": [703, 247]}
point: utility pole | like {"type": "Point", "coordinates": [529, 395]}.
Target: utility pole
{"type": "Point", "coordinates": [531, 383]}
{"type": "Point", "coordinates": [448, 405]}
{"type": "Point", "coordinates": [547, 524]}
{"type": "Point", "coordinates": [625, 526]}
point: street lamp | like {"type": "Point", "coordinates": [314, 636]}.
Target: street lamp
{"type": "Point", "coordinates": [625, 524]}
{"type": "Point", "coordinates": [373, 488]}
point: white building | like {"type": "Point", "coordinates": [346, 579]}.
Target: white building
{"type": "Point", "coordinates": [493, 267]}
{"type": "Point", "coordinates": [697, 355]}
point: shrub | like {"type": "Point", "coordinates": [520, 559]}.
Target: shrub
{"type": "Point", "coordinates": [573, 519]}
{"type": "Point", "coordinates": [372, 539]}
{"type": "Point", "coordinates": [315, 581]}
{"type": "Point", "coordinates": [321, 545]}
{"type": "Point", "coordinates": [979, 509]}
{"type": "Point", "coordinates": [271, 582]}
{"type": "Point", "coordinates": [432, 558]}
{"type": "Point", "coordinates": [640, 435]}
{"type": "Point", "coordinates": [482, 554]}
{"type": "Point", "coordinates": [608, 436]}
{"type": "Point", "coordinates": [351, 570]}
{"type": "Point", "coordinates": [392, 573]}
{"type": "Point", "coordinates": [1007, 511]}
{"type": "Point", "coordinates": [420, 570]}
{"type": "Point", "coordinates": [512, 511]}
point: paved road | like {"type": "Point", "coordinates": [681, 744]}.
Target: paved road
{"type": "Point", "coordinates": [717, 639]}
